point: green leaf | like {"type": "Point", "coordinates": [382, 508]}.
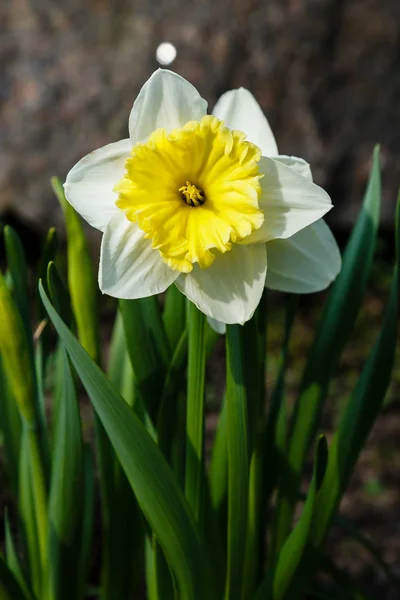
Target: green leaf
{"type": "Point", "coordinates": [119, 366]}
{"type": "Point", "coordinates": [254, 539]}
{"type": "Point", "coordinates": [19, 371]}
{"type": "Point", "coordinates": [59, 293]}
{"type": "Point", "coordinates": [22, 327]}
{"type": "Point", "coordinates": [123, 535]}
{"type": "Point", "coordinates": [218, 471]}
{"type": "Point", "coordinates": [39, 496]}
{"type": "Point", "coordinates": [241, 426]}
{"type": "Point", "coordinates": [155, 487]}
{"type": "Point", "coordinates": [217, 495]}
{"type": "Point", "coordinates": [26, 508]}
{"type": "Point", "coordinates": [19, 278]}
{"type": "Point", "coordinates": [148, 348]}
{"type": "Point", "coordinates": [159, 582]}
{"type": "Point", "coordinates": [9, 586]}
{"type": "Point", "coordinates": [255, 338]}
{"type": "Point", "coordinates": [168, 413]}
{"type": "Point", "coordinates": [65, 506]}
{"type": "Point", "coordinates": [237, 428]}
{"type": "Point", "coordinates": [16, 356]}
{"type": "Point", "coordinates": [285, 580]}
{"type": "Point", "coordinates": [115, 512]}
{"type": "Point", "coordinates": [360, 414]}
{"type": "Point", "coordinates": [194, 477]}
{"type": "Point", "coordinates": [48, 255]}
{"type": "Point", "coordinates": [82, 282]}
{"type": "Point", "coordinates": [12, 558]}
{"type": "Point", "coordinates": [10, 424]}
{"type": "Point", "coordinates": [289, 572]}
{"type": "Point", "coordinates": [42, 335]}
{"type": "Point", "coordinates": [334, 329]}
{"type": "Point", "coordinates": [61, 300]}
{"type": "Point", "coordinates": [276, 430]}
{"type": "Point", "coordinates": [87, 519]}
{"type": "Point", "coordinates": [143, 338]}
{"type": "Point", "coordinates": [174, 315]}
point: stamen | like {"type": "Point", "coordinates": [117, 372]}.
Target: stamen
{"type": "Point", "coordinates": [192, 195]}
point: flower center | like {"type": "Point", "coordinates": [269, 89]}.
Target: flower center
{"type": "Point", "coordinates": [225, 168]}
{"type": "Point", "coordinates": [192, 195]}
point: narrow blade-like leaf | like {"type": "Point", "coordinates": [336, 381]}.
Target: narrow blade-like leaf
{"type": "Point", "coordinates": [155, 487]}
{"type": "Point", "coordinates": [65, 506]}
{"type": "Point", "coordinates": [148, 348]}
{"type": "Point", "coordinates": [174, 315]}
{"type": "Point", "coordinates": [359, 416]}
{"type": "Point", "coordinates": [284, 580]}
{"type": "Point", "coordinates": [12, 558]}
{"type": "Point", "coordinates": [10, 426]}
{"type": "Point", "coordinates": [9, 586]}
{"type": "Point", "coordinates": [18, 271]}
{"type": "Point", "coordinates": [237, 428]}
{"type": "Point", "coordinates": [332, 334]}
{"type": "Point", "coordinates": [82, 282]}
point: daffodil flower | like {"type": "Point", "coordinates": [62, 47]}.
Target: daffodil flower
{"type": "Point", "coordinates": [202, 201]}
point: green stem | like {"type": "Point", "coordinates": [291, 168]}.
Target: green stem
{"type": "Point", "coordinates": [194, 470]}
{"type": "Point", "coordinates": [169, 405]}
{"type": "Point", "coordinates": [160, 585]}
{"type": "Point", "coordinates": [276, 440]}
{"type": "Point", "coordinates": [252, 553]}
{"type": "Point", "coordinates": [39, 494]}
{"type": "Point", "coordinates": [218, 471]}
{"type": "Point", "coordinates": [238, 459]}
{"type": "Point", "coordinates": [255, 331]}
{"type": "Point", "coordinates": [27, 512]}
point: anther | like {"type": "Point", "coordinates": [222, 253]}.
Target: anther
{"type": "Point", "coordinates": [192, 195]}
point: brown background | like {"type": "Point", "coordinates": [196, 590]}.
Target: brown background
{"type": "Point", "coordinates": [327, 73]}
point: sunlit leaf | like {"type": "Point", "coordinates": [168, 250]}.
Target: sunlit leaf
{"type": "Point", "coordinates": [334, 329]}
{"type": "Point", "coordinates": [82, 281]}
{"type": "Point", "coordinates": [155, 487]}
{"type": "Point", "coordinates": [65, 506]}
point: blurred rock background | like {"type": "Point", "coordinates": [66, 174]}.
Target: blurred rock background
{"type": "Point", "coordinates": [326, 72]}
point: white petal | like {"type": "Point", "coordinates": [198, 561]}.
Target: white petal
{"type": "Point", "coordinates": [217, 326]}
{"type": "Point", "coordinates": [90, 183]}
{"type": "Point", "coordinates": [289, 201]}
{"type": "Point", "coordinates": [240, 110]}
{"type": "Point", "coordinates": [230, 290]}
{"type": "Point", "coordinates": [307, 262]}
{"type": "Point", "coordinates": [298, 164]}
{"type": "Point", "coordinates": [166, 100]}
{"type": "Point", "coordinates": [129, 266]}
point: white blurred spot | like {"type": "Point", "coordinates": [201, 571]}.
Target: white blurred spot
{"type": "Point", "coordinates": [166, 53]}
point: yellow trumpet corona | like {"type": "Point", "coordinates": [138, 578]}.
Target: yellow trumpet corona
{"type": "Point", "coordinates": [193, 191]}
